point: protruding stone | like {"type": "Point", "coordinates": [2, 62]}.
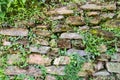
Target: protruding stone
{"type": "Point", "coordinates": [42, 42]}
{"type": "Point", "coordinates": [118, 76]}
{"type": "Point", "coordinates": [6, 43]}
{"type": "Point", "coordinates": [94, 20]}
{"type": "Point", "coordinates": [57, 17]}
{"type": "Point", "coordinates": [42, 27]}
{"type": "Point", "coordinates": [62, 60]}
{"type": "Point", "coordinates": [14, 59]}
{"type": "Point", "coordinates": [93, 13]}
{"type": "Point", "coordinates": [99, 7]}
{"type": "Point", "coordinates": [70, 36]}
{"type": "Point", "coordinates": [41, 49]}
{"type": "Point", "coordinates": [82, 74]}
{"type": "Point", "coordinates": [87, 69]}
{"type": "Point", "coordinates": [102, 48]}
{"type": "Point", "coordinates": [57, 70]}
{"type": "Point", "coordinates": [118, 16]}
{"type": "Point", "coordinates": [61, 28]}
{"type": "Point", "coordinates": [24, 23]}
{"type": "Point", "coordinates": [53, 43]}
{"type": "Point", "coordinates": [104, 78]}
{"type": "Point", "coordinates": [116, 57]}
{"type": "Point", "coordinates": [113, 67]}
{"type": "Point", "coordinates": [32, 71]}
{"type": "Point", "coordinates": [75, 20]}
{"type": "Point", "coordinates": [63, 43]}
{"type": "Point", "coordinates": [50, 77]}
{"type": "Point", "coordinates": [84, 28]}
{"type": "Point", "coordinates": [101, 73]}
{"type": "Point", "coordinates": [105, 16]}
{"type": "Point", "coordinates": [39, 59]}
{"type": "Point", "coordinates": [78, 44]}
{"type": "Point", "coordinates": [103, 57]}
{"type": "Point", "coordinates": [44, 33]}
{"type": "Point", "coordinates": [14, 70]}
{"type": "Point", "coordinates": [118, 50]}
{"type": "Point", "coordinates": [64, 11]}
{"type": "Point", "coordinates": [99, 66]}
{"type": "Point", "coordinates": [14, 32]}
{"type": "Point", "coordinates": [61, 11]}
{"type": "Point", "coordinates": [22, 42]}
{"type": "Point", "coordinates": [96, 27]}
{"type": "Point", "coordinates": [103, 33]}
{"type": "Point", "coordinates": [91, 7]}
{"type": "Point", "coordinates": [114, 23]}
{"type": "Point", "coordinates": [75, 51]}
{"type": "Point", "coordinates": [54, 52]}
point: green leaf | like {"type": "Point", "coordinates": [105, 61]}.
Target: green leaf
{"type": "Point", "coordinates": [24, 1]}
{"type": "Point", "coordinates": [2, 15]}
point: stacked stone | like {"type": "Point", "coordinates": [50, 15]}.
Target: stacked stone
{"type": "Point", "coordinates": [47, 54]}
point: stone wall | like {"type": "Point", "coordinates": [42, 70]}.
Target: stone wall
{"type": "Point", "coordinates": [62, 34]}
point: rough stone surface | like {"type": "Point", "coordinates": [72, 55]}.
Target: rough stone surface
{"type": "Point", "coordinates": [57, 17]}
{"type": "Point", "coordinates": [116, 57]}
{"type": "Point", "coordinates": [63, 43]}
{"type": "Point", "coordinates": [42, 42]}
{"type": "Point", "coordinates": [101, 73]}
{"type": "Point", "coordinates": [94, 20]}
{"type": "Point", "coordinates": [42, 27]}
{"type": "Point", "coordinates": [49, 77]}
{"type": "Point", "coordinates": [102, 33]}
{"type": "Point", "coordinates": [99, 66]}
{"type": "Point", "coordinates": [39, 59]}
{"type": "Point", "coordinates": [14, 32]}
{"type": "Point", "coordinates": [44, 33]}
{"type": "Point", "coordinates": [24, 23]}
{"type": "Point", "coordinates": [70, 36]}
{"type": "Point", "coordinates": [41, 49]}
{"type": "Point", "coordinates": [61, 11]}
{"type": "Point", "coordinates": [105, 16]}
{"type": "Point", "coordinates": [6, 43]}
{"type": "Point", "coordinates": [102, 48]}
{"type": "Point", "coordinates": [98, 7]}
{"type": "Point", "coordinates": [14, 70]}
{"type": "Point", "coordinates": [54, 52]}
{"type": "Point", "coordinates": [53, 43]}
{"type": "Point", "coordinates": [64, 11]}
{"type": "Point", "coordinates": [113, 23]}
{"type": "Point", "coordinates": [84, 28]}
{"type": "Point", "coordinates": [82, 74]}
{"type": "Point", "coordinates": [118, 76]}
{"type": "Point", "coordinates": [75, 20]}
{"type": "Point", "coordinates": [57, 70]}
{"type": "Point", "coordinates": [75, 51]}
{"type": "Point", "coordinates": [14, 58]}
{"type": "Point", "coordinates": [61, 28]}
{"type": "Point", "coordinates": [103, 57]}
{"type": "Point", "coordinates": [87, 69]}
{"type": "Point", "coordinates": [93, 13]}
{"type": "Point", "coordinates": [78, 44]}
{"type": "Point", "coordinates": [32, 71]}
{"type": "Point", "coordinates": [118, 50]}
{"type": "Point", "coordinates": [104, 78]}
{"type": "Point", "coordinates": [62, 60]}
{"type": "Point", "coordinates": [22, 42]}
{"type": "Point", "coordinates": [113, 67]}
